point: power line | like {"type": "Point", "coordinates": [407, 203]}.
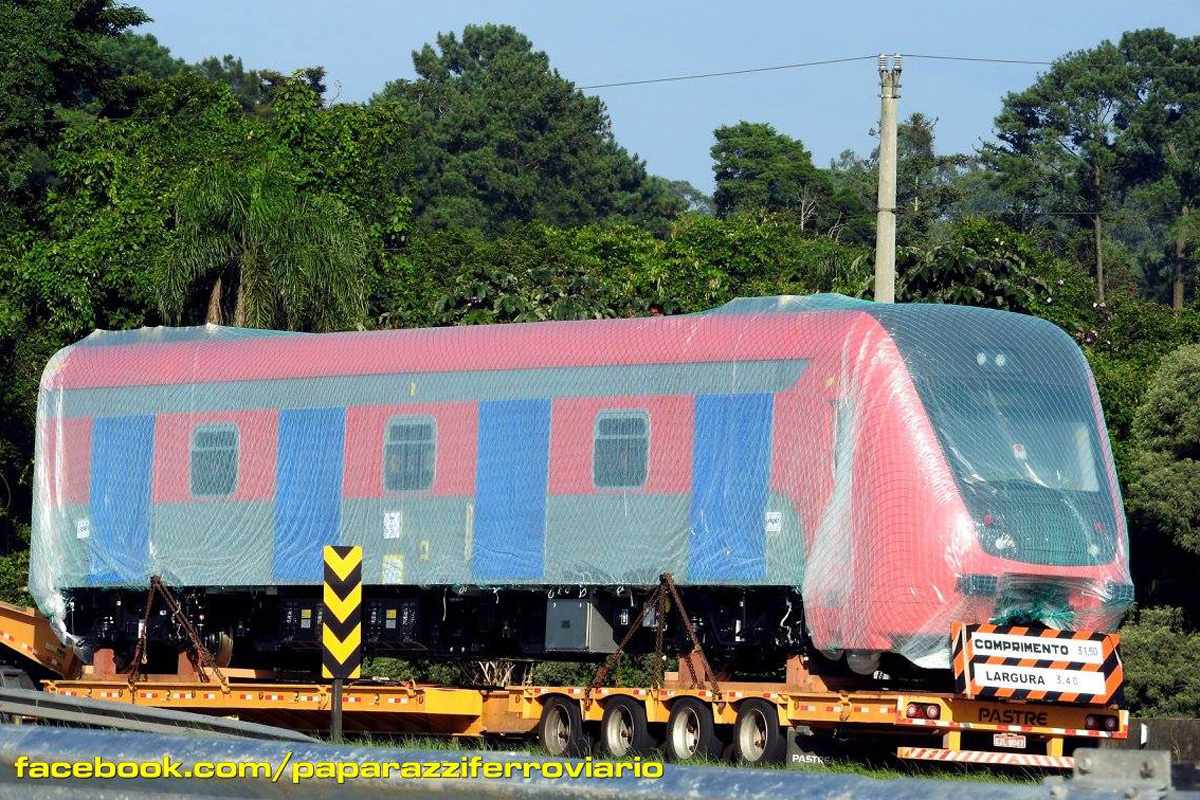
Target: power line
{"type": "Point", "coordinates": [827, 61]}
{"type": "Point", "coordinates": [698, 76]}
{"type": "Point", "coordinates": [980, 60]}
{"type": "Point", "coordinates": [1131, 67]}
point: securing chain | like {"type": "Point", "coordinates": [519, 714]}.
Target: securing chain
{"type": "Point", "coordinates": [660, 626]}
{"type": "Point", "coordinates": [200, 656]}
{"type": "Point", "coordinates": [659, 600]}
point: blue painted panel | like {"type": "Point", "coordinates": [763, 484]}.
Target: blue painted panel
{"type": "Point", "coordinates": [510, 490]}
{"type": "Point", "coordinates": [730, 468]}
{"type": "Point", "coordinates": [308, 491]}
{"type": "Point", "coordinates": [122, 455]}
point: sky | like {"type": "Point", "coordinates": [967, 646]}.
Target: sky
{"type": "Point", "coordinates": [364, 43]}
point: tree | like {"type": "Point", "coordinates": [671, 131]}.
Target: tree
{"type": "Point", "coordinates": [696, 200]}
{"type": "Point", "coordinates": [1158, 652]}
{"type": "Point", "coordinates": [141, 54]}
{"type": "Point", "coordinates": [54, 62]}
{"type": "Point", "coordinates": [255, 89]}
{"type": "Point", "coordinates": [759, 169]}
{"type": "Point", "coordinates": [1163, 500]}
{"type": "Point", "coordinates": [930, 188]}
{"type": "Point", "coordinates": [982, 263]}
{"type": "Point", "coordinates": [503, 138]}
{"type": "Point", "coordinates": [927, 184]}
{"type": "Point", "coordinates": [1163, 147]}
{"type": "Point", "coordinates": [1058, 153]}
{"type": "Point", "coordinates": [268, 255]}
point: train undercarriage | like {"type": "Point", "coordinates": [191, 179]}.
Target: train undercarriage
{"type": "Point", "coordinates": [747, 632]}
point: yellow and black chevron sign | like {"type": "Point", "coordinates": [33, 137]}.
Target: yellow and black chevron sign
{"type": "Point", "coordinates": [341, 623]}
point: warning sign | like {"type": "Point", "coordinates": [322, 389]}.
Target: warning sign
{"type": "Point", "coordinates": [1032, 663]}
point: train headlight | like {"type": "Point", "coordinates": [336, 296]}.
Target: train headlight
{"type": "Point", "coordinates": [933, 711]}
{"type": "Point", "coordinates": [1001, 359]}
{"type": "Point", "coordinates": [981, 358]}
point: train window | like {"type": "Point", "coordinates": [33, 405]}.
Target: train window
{"type": "Point", "coordinates": [408, 453]}
{"type": "Point", "coordinates": [214, 460]}
{"type": "Point", "coordinates": [622, 444]}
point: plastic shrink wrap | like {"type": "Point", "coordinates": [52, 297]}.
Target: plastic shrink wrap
{"type": "Point", "coordinates": [902, 466]}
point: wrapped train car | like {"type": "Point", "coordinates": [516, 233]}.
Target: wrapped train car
{"type": "Point", "coordinates": [817, 473]}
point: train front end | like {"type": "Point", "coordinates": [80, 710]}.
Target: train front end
{"type": "Point", "coordinates": [1037, 535]}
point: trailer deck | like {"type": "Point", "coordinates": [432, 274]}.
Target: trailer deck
{"type": "Point", "coordinates": [924, 726]}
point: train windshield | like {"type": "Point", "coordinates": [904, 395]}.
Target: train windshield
{"type": "Point", "coordinates": [1018, 436]}
{"type": "Point", "coordinates": [1029, 464]}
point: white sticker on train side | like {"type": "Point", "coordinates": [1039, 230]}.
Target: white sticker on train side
{"type": "Point", "coordinates": [393, 524]}
{"type": "Point", "coordinates": [1040, 679]}
{"type": "Point", "coordinates": [1084, 651]}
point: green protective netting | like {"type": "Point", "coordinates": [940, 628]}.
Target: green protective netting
{"type": "Point", "coordinates": [901, 466]}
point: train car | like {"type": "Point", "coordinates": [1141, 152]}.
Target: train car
{"type": "Point", "coordinates": [817, 473]}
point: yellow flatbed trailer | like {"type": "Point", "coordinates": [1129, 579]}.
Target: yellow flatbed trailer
{"type": "Point", "coordinates": [1047, 732]}
{"type": "Point", "coordinates": [930, 726]}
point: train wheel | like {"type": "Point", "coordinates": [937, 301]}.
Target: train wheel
{"type": "Point", "coordinates": [561, 729]}
{"type": "Point", "coordinates": [623, 729]}
{"type": "Point", "coordinates": [757, 737]}
{"type": "Point", "coordinates": [691, 732]}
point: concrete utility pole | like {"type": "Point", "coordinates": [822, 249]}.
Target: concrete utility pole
{"type": "Point", "coordinates": [885, 223]}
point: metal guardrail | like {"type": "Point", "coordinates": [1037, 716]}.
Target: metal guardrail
{"type": "Point", "coordinates": [691, 782]}
{"type": "Point", "coordinates": [82, 711]}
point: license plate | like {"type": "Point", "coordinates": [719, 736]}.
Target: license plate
{"type": "Point", "coordinates": [1015, 741]}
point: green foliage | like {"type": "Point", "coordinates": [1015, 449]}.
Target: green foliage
{"type": "Point", "coordinates": [140, 54]}
{"type": "Point", "coordinates": [1164, 499]}
{"type": "Point", "coordinates": [927, 184]}
{"type": "Point", "coordinates": [1110, 132]}
{"type": "Point", "coordinates": [535, 272]}
{"type": "Point", "coordinates": [14, 575]}
{"type": "Point", "coordinates": [1159, 655]}
{"type": "Point", "coordinates": [629, 671]}
{"type": "Point", "coordinates": [1168, 420]}
{"type": "Point", "coordinates": [1164, 494]}
{"type": "Point", "coordinates": [930, 188]}
{"type": "Point", "coordinates": [267, 254]}
{"type": "Point", "coordinates": [532, 273]}
{"type": "Point", "coordinates": [760, 169]}
{"type": "Point", "coordinates": [502, 137]}
{"type": "Point", "coordinates": [982, 264]}
{"type": "Point", "coordinates": [54, 63]}
{"type": "Point", "coordinates": [254, 89]}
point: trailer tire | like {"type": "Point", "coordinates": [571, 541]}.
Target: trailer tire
{"type": "Point", "coordinates": [560, 730]}
{"type": "Point", "coordinates": [691, 732]}
{"type": "Point", "coordinates": [757, 737]}
{"type": "Point", "coordinates": [623, 728]}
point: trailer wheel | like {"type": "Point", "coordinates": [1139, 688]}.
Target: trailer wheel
{"type": "Point", "coordinates": [561, 729]}
{"type": "Point", "coordinates": [691, 732]}
{"type": "Point", "coordinates": [623, 729]}
{"type": "Point", "coordinates": [757, 737]}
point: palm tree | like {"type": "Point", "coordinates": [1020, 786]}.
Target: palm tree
{"type": "Point", "coordinates": [262, 254]}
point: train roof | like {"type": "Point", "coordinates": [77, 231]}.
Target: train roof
{"type": "Point", "coordinates": [942, 338]}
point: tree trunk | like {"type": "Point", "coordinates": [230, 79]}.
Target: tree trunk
{"type": "Point", "coordinates": [214, 316]}
{"type": "Point", "coordinates": [239, 308]}
{"type": "Point", "coordinates": [1180, 257]}
{"type": "Point", "coordinates": [1099, 260]}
